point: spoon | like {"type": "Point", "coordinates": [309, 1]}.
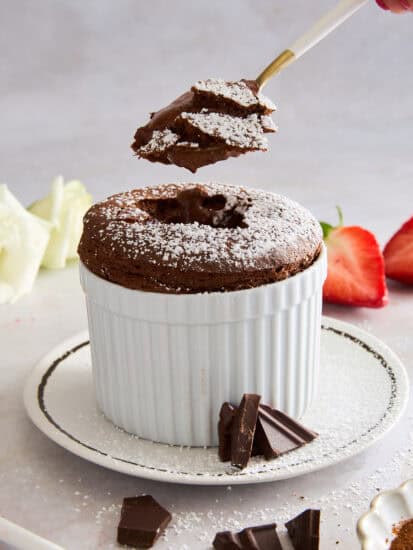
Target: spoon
{"type": "Point", "coordinates": [185, 134]}
{"type": "Point", "coordinates": [22, 539]}
{"type": "Point", "coordinates": [322, 28]}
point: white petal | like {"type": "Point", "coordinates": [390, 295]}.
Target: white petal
{"type": "Point", "coordinates": [64, 207]}
{"type": "Point", "coordinates": [23, 241]}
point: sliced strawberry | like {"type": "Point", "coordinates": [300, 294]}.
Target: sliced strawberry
{"type": "Point", "coordinates": [398, 254]}
{"type": "Point", "coordinates": [355, 267]}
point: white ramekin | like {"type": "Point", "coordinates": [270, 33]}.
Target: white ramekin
{"type": "Point", "coordinates": [163, 364]}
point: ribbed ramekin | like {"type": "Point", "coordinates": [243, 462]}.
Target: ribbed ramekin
{"type": "Point", "coordinates": [163, 364]}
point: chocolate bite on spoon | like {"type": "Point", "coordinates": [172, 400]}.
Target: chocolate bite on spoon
{"type": "Point", "coordinates": [213, 121]}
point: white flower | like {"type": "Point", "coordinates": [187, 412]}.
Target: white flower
{"type": "Point", "coordinates": [23, 242]}
{"type": "Point", "coordinates": [64, 208]}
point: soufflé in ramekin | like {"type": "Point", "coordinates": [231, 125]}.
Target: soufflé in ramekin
{"type": "Point", "coordinates": [196, 294]}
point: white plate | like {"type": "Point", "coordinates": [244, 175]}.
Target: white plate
{"type": "Point", "coordinates": [363, 391]}
{"type": "Point", "coordinates": [387, 510]}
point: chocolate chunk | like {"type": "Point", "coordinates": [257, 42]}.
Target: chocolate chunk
{"type": "Point", "coordinates": [277, 433]}
{"type": "Point", "coordinates": [304, 530]}
{"type": "Point", "coordinates": [227, 541]}
{"type": "Point", "coordinates": [243, 430]}
{"type": "Point", "coordinates": [263, 537]}
{"type": "Point", "coordinates": [142, 521]}
{"type": "Point", "coordinates": [226, 417]}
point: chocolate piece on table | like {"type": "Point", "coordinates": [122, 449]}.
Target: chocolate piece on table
{"type": "Point", "coordinates": [142, 521]}
{"type": "Point", "coordinates": [304, 530]}
{"type": "Point", "coordinates": [277, 433]}
{"type": "Point", "coordinates": [263, 537]}
{"type": "Point", "coordinates": [226, 540]}
{"type": "Point", "coordinates": [243, 429]}
{"type": "Point", "coordinates": [226, 416]}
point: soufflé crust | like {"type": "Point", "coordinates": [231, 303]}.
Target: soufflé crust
{"type": "Point", "coordinates": [188, 238]}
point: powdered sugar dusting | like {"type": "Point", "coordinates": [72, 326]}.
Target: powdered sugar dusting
{"type": "Point", "coordinates": [278, 231]}
{"type": "Point", "coordinates": [237, 91]}
{"type": "Point", "coordinates": [161, 141]}
{"type": "Point", "coordinates": [267, 124]}
{"type": "Point", "coordinates": [190, 144]}
{"type": "Point", "coordinates": [235, 131]}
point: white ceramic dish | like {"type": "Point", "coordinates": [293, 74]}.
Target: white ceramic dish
{"type": "Point", "coordinates": [375, 528]}
{"type": "Point", "coordinates": [192, 352]}
{"type": "Point", "coordinates": [363, 391]}
{"type": "Point", "coordinates": [163, 363]}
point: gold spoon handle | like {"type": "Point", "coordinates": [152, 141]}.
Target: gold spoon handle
{"type": "Point", "coordinates": [285, 58]}
{"type": "Point", "coordinates": [323, 27]}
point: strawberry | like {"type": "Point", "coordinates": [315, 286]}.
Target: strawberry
{"type": "Point", "coordinates": [398, 254]}
{"type": "Point", "coordinates": [355, 266]}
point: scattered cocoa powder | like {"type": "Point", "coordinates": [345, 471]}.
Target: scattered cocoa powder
{"type": "Point", "coordinates": [404, 536]}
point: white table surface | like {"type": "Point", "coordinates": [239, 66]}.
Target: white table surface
{"type": "Point", "coordinates": [75, 80]}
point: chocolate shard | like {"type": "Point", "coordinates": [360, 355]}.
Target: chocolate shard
{"type": "Point", "coordinates": [142, 521]}
{"type": "Point", "coordinates": [263, 537]}
{"type": "Point", "coordinates": [227, 541]}
{"type": "Point", "coordinates": [277, 433]}
{"type": "Point", "coordinates": [243, 430]}
{"type": "Point", "coordinates": [226, 416]}
{"type": "Point", "coordinates": [304, 530]}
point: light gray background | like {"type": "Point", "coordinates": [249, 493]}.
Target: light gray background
{"type": "Point", "coordinates": [76, 78]}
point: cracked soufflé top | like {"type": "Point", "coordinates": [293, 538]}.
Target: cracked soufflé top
{"type": "Point", "coordinates": [212, 121]}
{"type": "Point", "coordinates": [203, 237]}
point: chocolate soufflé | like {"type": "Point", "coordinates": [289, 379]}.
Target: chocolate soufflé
{"type": "Point", "coordinates": [191, 238]}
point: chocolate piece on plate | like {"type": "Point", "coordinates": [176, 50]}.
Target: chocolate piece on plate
{"type": "Point", "coordinates": [304, 530]}
{"type": "Point", "coordinates": [226, 416]}
{"type": "Point", "coordinates": [142, 521]}
{"type": "Point", "coordinates": [277, 433]}
{"type": "Point", "coordinates": [243, 430]}
{"type": "Point", "coordinates": [263, 537]}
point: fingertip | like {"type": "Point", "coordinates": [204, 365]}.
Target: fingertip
{"type": "Point", "coordinates": [382, 4]}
